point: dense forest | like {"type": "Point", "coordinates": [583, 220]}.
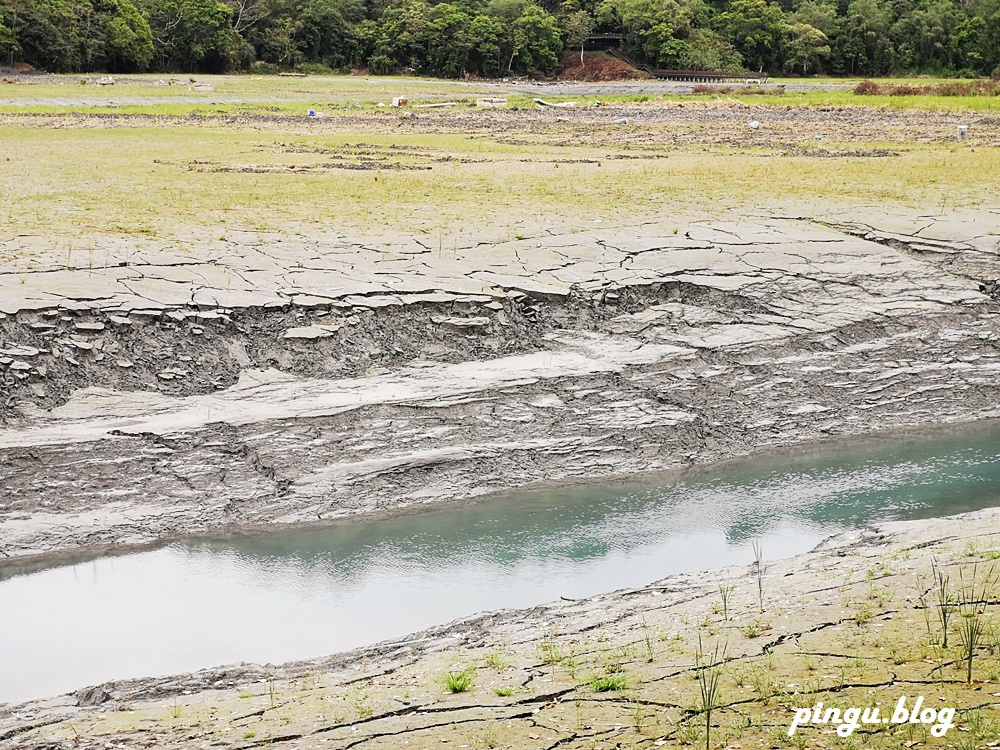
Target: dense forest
{"type": "Point", "coordinates": [501, 37]}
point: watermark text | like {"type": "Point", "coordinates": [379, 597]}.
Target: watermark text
{"type": "Point", "coordinates": [850, 719]}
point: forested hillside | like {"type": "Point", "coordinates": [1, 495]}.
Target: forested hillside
{"type": "Point", "coordinates": [501, 37]}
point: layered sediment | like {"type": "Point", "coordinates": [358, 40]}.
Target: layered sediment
{"type": "Point", "coordinates": [304, 383]}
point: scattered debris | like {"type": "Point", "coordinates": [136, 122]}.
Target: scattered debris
{"type": "Point", "coordinates": [171, 374]}
{"type": "Point", "coordinates": [20, 351]}
{"type": "Point", "coordinates": [543, 103]}
{"type": "Point", "coordinates": [89, 326]}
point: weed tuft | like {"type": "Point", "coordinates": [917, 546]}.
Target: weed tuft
{"type": "Point", "coordinates": [459, 682]}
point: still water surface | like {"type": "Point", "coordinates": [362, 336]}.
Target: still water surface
{"type": "Point", "coordinates": [302, 593]}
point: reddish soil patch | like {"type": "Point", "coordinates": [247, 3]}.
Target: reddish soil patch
{"type": "Point", "coordinates": [597, 66]}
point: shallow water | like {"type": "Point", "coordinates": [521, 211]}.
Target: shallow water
{"type": "Point", "coordinates": [303, 593]}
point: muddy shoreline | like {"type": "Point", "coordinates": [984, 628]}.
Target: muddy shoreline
{"type": "Point", "coordinates": [131, 418]}
{"type": "Point", "coordinates": [856, 594]}
{"type": "Point", "coordinates": [27, 564]}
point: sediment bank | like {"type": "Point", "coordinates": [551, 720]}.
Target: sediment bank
{"type": "Point", "coordinates": [163, 398]}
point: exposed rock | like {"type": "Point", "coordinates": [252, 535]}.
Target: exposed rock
{"type": "Point", "coordinates": [92, 696]}
{"type": "Point", "coordinates": [312, 332]}
{"type": "Point", "coordinates": [20, 351]}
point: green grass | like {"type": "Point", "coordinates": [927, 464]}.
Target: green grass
{"type": "Point", "coordinates": [79, 186]}
{"type": "Point", "coordinates": [849, 98]}
{"type": "Point", "coordinates": [237, 95]}
{"type": "Point", "coordinates": [98, 189]}
{"type": "Point", "coordinates": [495, 661]}
{"type": "Point", "coordinates": [459, 682]}
{"type": "Point", "coordinates": [612, 681]}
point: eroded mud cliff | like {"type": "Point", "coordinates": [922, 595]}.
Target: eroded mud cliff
{"type": "Point", "coordinates": [307, 381]}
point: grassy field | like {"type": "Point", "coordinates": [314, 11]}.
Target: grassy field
{"type": "Point", "coordinates": [171, 182]}
{"type": "Point", "coordinates": [131, 168]}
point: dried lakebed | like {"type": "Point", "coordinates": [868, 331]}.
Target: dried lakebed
{"type": "Point", "coordinates": [163, 395]}
{"type": "Point", "coordinates": [295, 594]}
{"type": "Point", "coordinates": [316, 380]}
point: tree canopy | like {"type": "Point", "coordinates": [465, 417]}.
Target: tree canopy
{"type": "Point", "coordinates": [502, 37]}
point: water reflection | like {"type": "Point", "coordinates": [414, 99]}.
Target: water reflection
{"type": "Point", "coordinates": [301, 593]}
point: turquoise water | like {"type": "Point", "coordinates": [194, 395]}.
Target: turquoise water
{"type": "Point", "coordinates": [303, 593]}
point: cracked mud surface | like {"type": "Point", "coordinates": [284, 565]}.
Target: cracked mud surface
{"type": "Point", "coordinates": [849, 624]}
{"type": "Point", "coordinates": [165, 398]}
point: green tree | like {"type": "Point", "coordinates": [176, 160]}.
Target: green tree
{"type": "Point", "coordinates": [529, 39]}
{"type": "Point", "coordinates": [275, 43]}
{"type": "Point", "coordinates": [975, 49]}
{"type": "Point", "coordinates": [757, 29]}
{"type": "Point", "coordinates": [450, 40]}
{"type": "Point", "coordinates": [655, 30]}
{"type": "Point", "coordinates": [247, 13]}
{"type": "Point", "coordinates": [705, 50]}
{"type": "Point", "coordinates": [807, 48]}
{"type": "Point", "coordinates": [119, 38]}
{"type": "Point", "coordinates": [578, 26]}
{"type": "Point", "coordinates": [47, 34]}
{"type": "Point", "coordinates": [819, 15]}
{"type": "Point", "coordinates": [923, 37]}
{"type": "Point", "coordinates": [8, 45]}
{"type": "Point", "coordinates": [866, 46]}
{"type": "Point", "coordinates": [194, 35]}
{"type": "Point", "coordinates": [486, 55]}
{"type": "Point", "coordinates": [542, 40]}
{"type": "Point", "coordinates": [326, 30]}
